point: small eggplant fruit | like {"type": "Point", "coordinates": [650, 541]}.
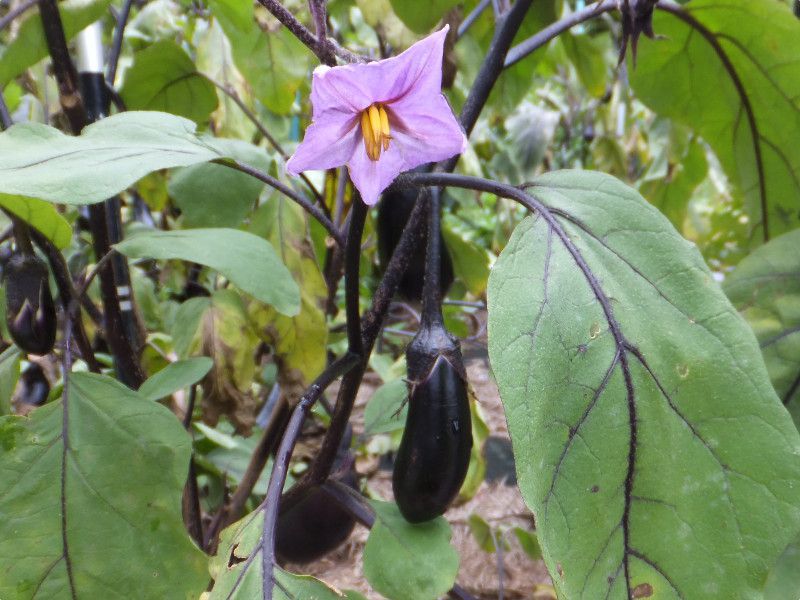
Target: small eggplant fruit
{"type": "Point", "coordinates": [34, 386]}
{"type": "Point", "coordinates": [434, 453]}
{"type": "Point", "coordinates": [393, 213]}
{"type": "Point", "coordinates": [30, 312]}
{"type": "Point", "coordinates": [317, 525]}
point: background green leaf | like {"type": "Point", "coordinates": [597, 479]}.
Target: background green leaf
{"type": "Point", "coordinates": [381, 413]}
{"type": "Point", "coordinates": [9, 375]}
{"type": "Point", "coordinates": [628, 419]}
{"type": "Point", "coordinates": [420, 17]}
{"type": "Point", "coordinates": [42, 216]}
{"type": "Point", "coordinates": [248, 261]}
{"type": "Point", "coordinates": [176, 376]}
{"type": "Point", "coordinates": [29, 46]}
{"type": "Point", "coordinates": [423, 563]}
{"type": "Point", "coordinates": [682, 77]}
{"type": "Point", "coordinates": [164, 78]}
{"type": "Point", "coordinates": [211, 195]}
{"type": "Point", "coordinates": [124, 467]}
{"type": "Point", "coordinates": [765, 287]}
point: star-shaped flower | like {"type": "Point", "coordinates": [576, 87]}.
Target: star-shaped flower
{"type": "Point", "coordinates": [380, 118]}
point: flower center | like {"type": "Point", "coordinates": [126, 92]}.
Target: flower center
{"type": "Point", "coordinates": [375, 129]}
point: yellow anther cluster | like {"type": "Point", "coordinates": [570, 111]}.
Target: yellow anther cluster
{"type": "Point", "coordinates": [375, 129]}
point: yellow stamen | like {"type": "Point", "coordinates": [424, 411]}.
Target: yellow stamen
{"type": "Point", "coordinates": [375, 130]}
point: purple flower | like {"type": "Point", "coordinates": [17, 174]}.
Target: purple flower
{"type": "Point", "coordinates": [380, 118]}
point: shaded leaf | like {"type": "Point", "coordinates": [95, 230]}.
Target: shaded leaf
{"type": "Point", "coordinates": [248, 261]}
{"type": "Point", "coordinates": [630, 384]}
{"type": "Point", "coordinates": [124, 461]}
{"type": "Point", "coordinates": [765, 287]}
{"type": "Point", "coordinates": [175, 376]}
{"type": "Point", "coordinates": [470, 261]}
{"type": "Point", "coordinates": [29, 46]}
{"type": "Point", "coordinates": [420, 17]}
{"type": "Point", "coordinates": [783, 581]}
{"type": "Point", "coordinates": [211, 195]}
{"type": "Point", "coordinates": [9, 375]}
{"type": "Point", "coordinates": [41, 162]}
{"type": "Point", "coordinates": [164, 78]}
{"type": "Point", "coordinates": [423, 563]}
{"type": "Point", "coordinates": [750, 114]}
{"type": "Point", "coordinates": [381, 413]}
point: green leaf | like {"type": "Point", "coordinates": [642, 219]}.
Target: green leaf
{"type": "Point", "coordinates": [274, 62]}
{"type": "Point", "coordinates": [176, 376]}
{"type": "Point", "coordinates": [211, 195]}
{"type": "Point", "coordinates": [470, 261]}
{"type": "Point", "coordinates": [41, 162]}
{"type": "Point", "coordinates": [420, 17]}
{"type": "Point", "coordinates": [765, 287]}
{"type": "Point", "coordinates": [186, 325]}
{"type": "Point", "coordinates": [381, 413]}
{"type": "Point", "coordinates": [300, 342]}
{"type": "Point", "coordinates": [238, 574]}
{"type": "Point", "coordinates": [248, 261]}
{"type": "Point", "coordinates": [42, 216]}
{"type": "Point", "coordinates": [163, 77]}
{"type": "Point", "coordinates": [783, 581]}
{"type": "Point", "coordinates": [648, 440]}
{"type": "Point", "coordinates": [9, 375]}
{"type": "Point", "coordinates": [29, 46]}
{"type": "Point", "coordinates": [588, 54]}
{"type": "Point", "coordinates": [528, 542]}
{"type": "Point", "coordinates": [482, 532]}
{"type": "Point", "coordinates": [116, 462]}
{"type": "Point", "coordinates": [751, 111]}
{"type": "Point", "coordinates": [423, 563]}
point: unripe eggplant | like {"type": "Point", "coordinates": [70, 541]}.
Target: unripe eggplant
{"type": "Point", "coordinates": [30, 311]}
{"type": "Point", "coordinates": [393, 213]}
{"type": "Point", "coordinates": [317, 525]}
{"type": "Point", "coordinates": [34, 386]}
{"type": "Point", "coordinates": [434, 454]}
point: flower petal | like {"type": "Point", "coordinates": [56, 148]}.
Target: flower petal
{"type": "Point", "coordinates": [371, 177]}
{"type": "Point", "coordinates": [356, 86]}
{"type": "Point", "coordinates": [329, 142]}
{"type": "Point", "coordinates": [426, 129]}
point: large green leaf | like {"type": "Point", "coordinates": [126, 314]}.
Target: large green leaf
{"type": "Point", "coordinates": [41, 162]}
{"type": "Point", "coordinates": [649, 442]}
{"type": "Point", "coordinates": [29, 47]}
{"type": "Point", "coordinates": [40, 215]}
{"type": "Point", "coordinates": [274, 62]}
{"type": "Point", "coordinates": [211, 195]}
{"type": "Point", "coordinates": [423, 564]}
{"type": "Point", "coordinates": [238, 571]}
{"type": "Point", "coordinates": [783, 581]}
{"type": "Point", "coordinates": [247, 260]}
{"type": "Point", "coordinates": [733, 75]}
{"type": "Point", "coordinates": [765, 287]}
{"type": "Point", "coordinates": [164, 78]}
{"type": "Point", "coordinates": [90, 499]}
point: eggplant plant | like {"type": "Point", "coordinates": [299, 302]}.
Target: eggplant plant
{"type": "Point", "coordinates": [253, 255]}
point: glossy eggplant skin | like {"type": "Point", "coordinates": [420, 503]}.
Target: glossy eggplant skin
{"type": "Point", "coordinates": [30, 312]}
{"type": "Point", "coordinates": [313, 527]}
{"type": "Point", "coordinates": [434, 454]}
{"type": "Point", "coordinates": [393, 213]}
{"type": "Point", "coordinates": [34, 386]}
{"type": "Point", "coordinates": [316, 525]}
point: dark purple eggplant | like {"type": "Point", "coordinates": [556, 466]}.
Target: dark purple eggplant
{"type": "Point", "coordinates": [34, 387]}
{"type": "Point", "coordinates": [393, 213]}
{"type": "Point", "coordinates": [434, 454]}
{"type": "Point", "coordinates": [30, 311]}
{"type": "Point", "coordinates": [317, 525]}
